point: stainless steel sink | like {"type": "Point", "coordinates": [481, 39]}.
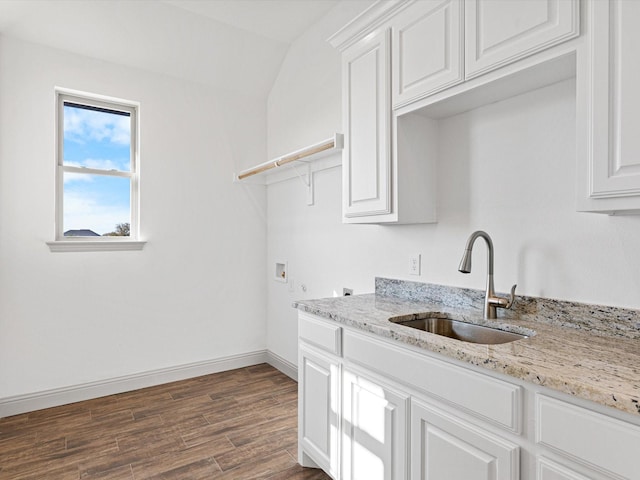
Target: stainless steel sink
{"type": "Point", "coordinates": [442, 324]}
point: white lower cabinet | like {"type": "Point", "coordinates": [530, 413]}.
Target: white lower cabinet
{"type": "Point", "coordinates": [374, 423]}
{"type": "Point", "coordinates": [318, 410]}
{"type": "Point", "coordinates": [445, 447]}
{"type": "Point", "coordinates": [371, 408]}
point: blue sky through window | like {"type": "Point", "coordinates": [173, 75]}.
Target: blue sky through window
{"type": "Point", "coordinates": [96, 139]}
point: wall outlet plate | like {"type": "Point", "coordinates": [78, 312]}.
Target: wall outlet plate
{"type": "Point", "coordinates": [414, 264]}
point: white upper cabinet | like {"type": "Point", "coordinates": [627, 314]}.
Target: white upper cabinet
{"type": "Point", "coordinates": [384, 180]}
{"type": "Point", "coordinates": [608, 104]}
{"type": "Point", "coordinates": [498, 32]}
{"type": "Point", "coordinates": [427, 49]}
{"type": "Point", "coordinates": [367, 116]}
{"type": "Point", "coordinates": [400, 56]}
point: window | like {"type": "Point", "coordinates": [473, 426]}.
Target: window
{"type": "Point", "coordinates": [97, 170]}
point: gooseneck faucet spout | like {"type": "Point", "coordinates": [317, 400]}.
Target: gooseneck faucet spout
{"type": "Point", "coordinates": [491, 302]}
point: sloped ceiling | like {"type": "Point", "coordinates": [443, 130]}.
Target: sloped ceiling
{"type": "Point", "coordinates": [278, 20]}
{"type": "Point", "coordinates": [229, 44]}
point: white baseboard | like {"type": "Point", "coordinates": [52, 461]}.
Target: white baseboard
{"type": "Point", "coordinates": [62, 396]}
{"type": "Point", "coordinates": [286, 367]}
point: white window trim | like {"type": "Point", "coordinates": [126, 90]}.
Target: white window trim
{"type": "Point", "coordinates": [93, 244]}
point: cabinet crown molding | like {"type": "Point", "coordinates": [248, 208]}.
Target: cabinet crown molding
{"type": "Point", "coordinates": [365, 23]}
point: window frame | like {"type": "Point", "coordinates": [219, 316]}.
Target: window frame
{"type": "Point", "coordinates": [132, 242]}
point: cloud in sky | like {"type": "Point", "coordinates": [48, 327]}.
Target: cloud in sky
{"type": "Point", "coordinates": [81, 125]}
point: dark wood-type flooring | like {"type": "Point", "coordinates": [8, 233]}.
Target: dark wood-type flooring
{"type": "Point", "coordinates": [240, 424]}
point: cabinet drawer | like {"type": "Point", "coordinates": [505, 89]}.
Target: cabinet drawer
{"type": "Point", "coordinates": [320, 333]}
{"type": "Point", "coordinates": [608, 444]}
{"type": "Point", "coordinates": [493, 400]}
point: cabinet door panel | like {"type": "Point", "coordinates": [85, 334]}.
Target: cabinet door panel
{"type": "Point", "coordinates": [498, 32]}
{"type": "Point", "coordinates": [374, 428]}
{"type": "Point", "coordinates": [451, 457]}
{"type": "Point", "coordinates": [318, 393]}
{"type": "Point", "coordinates": [445, 447]}
{"type": "Point", "coordinates": [548, 470]}
{"type": "Point", "coordinates": [427, 49]}
{"type": "Point", "coordinates": [366, 156]}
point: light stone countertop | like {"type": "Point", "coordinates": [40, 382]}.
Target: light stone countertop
{"type": "Point", "coordinates": [589, 351]}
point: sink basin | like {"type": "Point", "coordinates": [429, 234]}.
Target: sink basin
{"type": "Point", "coordinates": [442, 324]}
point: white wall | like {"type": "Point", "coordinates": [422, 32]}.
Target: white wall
{"type": "Point", "coordinates": [196, 291]}
{"type": "Point", "coordinates": [507, 168]}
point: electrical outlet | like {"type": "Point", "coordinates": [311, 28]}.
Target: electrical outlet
{"type": "Point", "coordinates": [414, 264]}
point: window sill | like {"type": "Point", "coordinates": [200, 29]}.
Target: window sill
{"type": "Point", "coordinates": [95, 245]}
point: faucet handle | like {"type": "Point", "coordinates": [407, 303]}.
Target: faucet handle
{"type": "Point", "coordinates": [512, 297]}
{"type": "Point", "coordinates": [501, 302]}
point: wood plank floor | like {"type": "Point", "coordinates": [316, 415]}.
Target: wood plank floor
{"type": "Point", "coordinates": [240, 424]}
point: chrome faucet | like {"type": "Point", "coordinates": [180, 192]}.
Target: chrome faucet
{"type": "Point", "coordinates": [491, 302]}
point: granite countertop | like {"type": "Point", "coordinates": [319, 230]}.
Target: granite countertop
{"type": "Point", "coordinates": [589, 351]}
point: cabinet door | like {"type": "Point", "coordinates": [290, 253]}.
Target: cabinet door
{"type": "Point", "coordinates": [444, 447]}
{"type": "Point", "coordinates": [318, 410]}
{"type": "Point", "coordinates": [498, 32]}
{"type": "Point", "coordinates": [374, 429]}
{"type": "Point", "coordinates": [608, 103]}
{"type": "Point", "coordinates": [427, 49]}
{"type": "Point", "coordinates": [366, 169]}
